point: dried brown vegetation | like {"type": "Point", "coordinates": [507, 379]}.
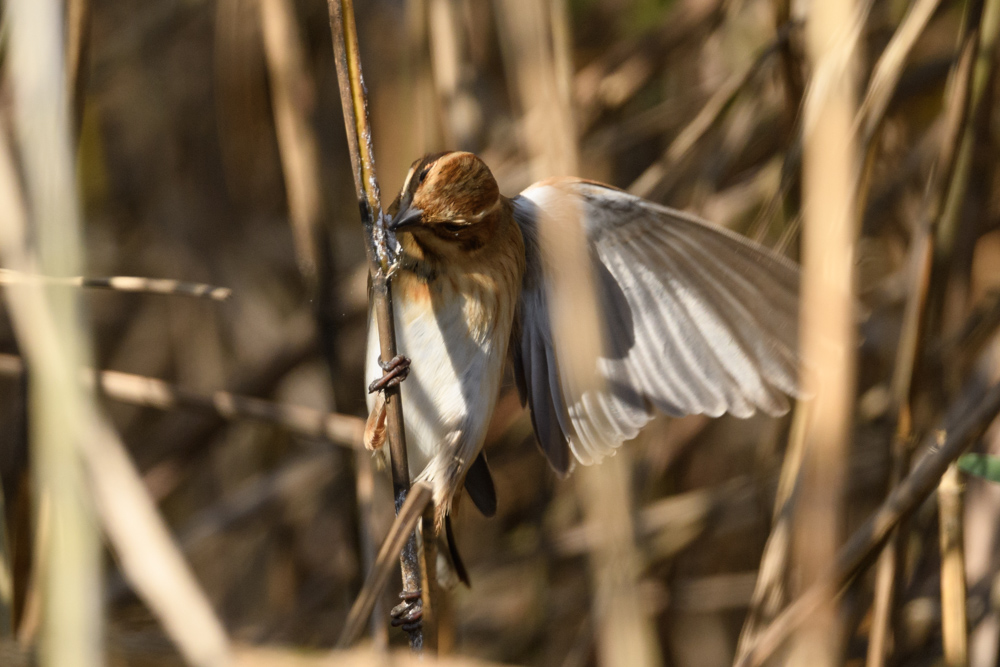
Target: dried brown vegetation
{"type": "Point", "coordinates": [209, 149]}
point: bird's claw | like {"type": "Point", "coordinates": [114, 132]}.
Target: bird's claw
{"type": "Point", "coordinates": [394, 371]}
{"type": "Point", "coordinates": [408, 613]}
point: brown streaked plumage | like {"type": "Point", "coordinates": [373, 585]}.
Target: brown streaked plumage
{"type": "Point", "coordinates": [698, 320]}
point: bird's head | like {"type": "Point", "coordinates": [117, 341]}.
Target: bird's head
{"type": "Point", "coordinates": [449, 202]}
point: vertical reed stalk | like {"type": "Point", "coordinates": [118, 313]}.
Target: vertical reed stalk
{"type": "Point", "coordinates": [359, 140]}
{"type": "Point", "coordinates": [537, 41]}
{"type": "Point", "coordinates": [6, 577]}
{"type": "Point", "coordinates": [72, 625]}
{"type": "Point", "coordinates": [954, 621]}
{"type": "Point", "coordinates": [828, 337]}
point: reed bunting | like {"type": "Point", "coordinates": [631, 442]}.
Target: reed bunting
{"type": "Point", "coordinates": [697, 320]}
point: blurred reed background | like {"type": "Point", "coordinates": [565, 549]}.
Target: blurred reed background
{"type": "Point", "coordinates": [210, 149]}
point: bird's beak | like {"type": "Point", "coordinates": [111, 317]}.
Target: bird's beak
{"type": "Point", "coordinates": [405, 218]}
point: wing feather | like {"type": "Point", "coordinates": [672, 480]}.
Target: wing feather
{"type": "Point", "coordinates": [698, 320]}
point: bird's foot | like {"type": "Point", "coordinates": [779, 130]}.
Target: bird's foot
{"type": "Point", "coordinates": [408, 613]}
{"type": "Point", "coordinates": [394, 372]}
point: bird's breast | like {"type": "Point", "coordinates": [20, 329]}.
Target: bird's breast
{"type": "Point", "coordinates": [454, 328]}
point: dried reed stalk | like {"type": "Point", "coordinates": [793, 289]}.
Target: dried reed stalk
{"type": "Point", "coordinates": [292, 94]}
{"type": "Point", "coordinates": [770, 592]}
{"type": "Point", "coordinates": [408, 517]}
{"type": "Point", "coordinates": [829, 165]}
{"type": "Point", "coordinates": [80, 463]}
{"type": "Point", "coordinates": [890, 566]}
{"type": "Point", "coordinates": [70, 583]}
{"type": "Point", "coordinates": [78, 13]}
{"type": "Point", "coordinates": [145, 549]}
{"type": "Point", "coordinates": [966, 419]}
{"type": "Point", "coordinates": [359, 141]}
{"type": "Point", "coordinates": [123, 284]}
{"type": "Point", "coordinates": [537, 54]}
{"type": "Point", "coordinates": [6, 577]}
{"type": "Point", "coordinates": [954, 619]}
{"type": "Point", "coordinates": [343, 430]}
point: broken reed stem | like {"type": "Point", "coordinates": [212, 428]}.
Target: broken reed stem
{"type": "Point", "coordinates": [954, 621]}
{"type": "Point", "coordinates": [359, 141]}
{"type": "Point", "coordinates": [967, 418]}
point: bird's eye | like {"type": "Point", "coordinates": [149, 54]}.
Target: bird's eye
{"type": "Point", "coordinates": [423, 175]}
{"type": "Point", "coordinates": [452, 228]}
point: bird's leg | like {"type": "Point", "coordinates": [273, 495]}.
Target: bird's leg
{"type": "Point", "coordinates": [394, 372]}
{"type": "Point", "coordinates": [408, 613]}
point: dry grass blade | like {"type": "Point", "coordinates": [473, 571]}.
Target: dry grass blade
{"type": "Point", "coordinates": [650, 182]}
{"type": "Point", "coordinates": [402, 528]}
{"type": "Point", "coordinates": [123, 284]}
{"type": "Point", "coordinates": [147, 554]}
{"type": "Point", "coordinates": [967, 418]}
{"type": "Point", "coordinates": [889, 68]}
{"type": "Point", "coordinates": [770, 592]}
{"type": "Point", "coordinates": [291, 98]}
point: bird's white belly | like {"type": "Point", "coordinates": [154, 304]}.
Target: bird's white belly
{"type": "Point", "coordinates": [453, 383]}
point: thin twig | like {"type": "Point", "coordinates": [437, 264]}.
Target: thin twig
{"type": "Point", "coordinates": [344, 430]}
{"type": "Point", "coordinates": [968, 417]}
{"type": "Point", "coordinates": [122, 284]}
{"type": "Point", "coordinates": [359, 141]}
{"type": "Point", "coordinates": [402, 528]}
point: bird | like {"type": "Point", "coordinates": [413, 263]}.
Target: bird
{"type": "Point", "coordinates": [697, 320]}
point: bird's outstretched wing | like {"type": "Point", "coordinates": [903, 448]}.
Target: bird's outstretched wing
{"type": "Point", "coordinates": [698, 320]}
